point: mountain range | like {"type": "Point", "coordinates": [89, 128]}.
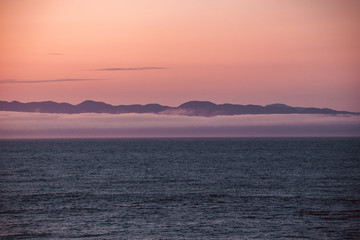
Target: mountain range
{"type": "Point", "coordinates": [192, 108]}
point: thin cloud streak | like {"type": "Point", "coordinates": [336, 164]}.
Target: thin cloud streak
{"type": "Point", "coordinates": [55, 53]}
{"type": "Point", "coordinates": [131, 69]}
{"type": "Point", "coordinates": [50, 80]}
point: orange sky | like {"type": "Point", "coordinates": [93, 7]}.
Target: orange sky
{"type": "Point", "coordinates": [302, 53]}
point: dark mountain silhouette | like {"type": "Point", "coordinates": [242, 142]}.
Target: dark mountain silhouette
{"type": "Point", "coordinates": [192, 108]}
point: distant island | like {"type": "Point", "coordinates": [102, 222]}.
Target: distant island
{"type": "Point", "coordinates": [192, 108]}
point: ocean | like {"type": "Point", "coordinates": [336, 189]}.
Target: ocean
{"type": "Point", "coordinates": [215, 188]}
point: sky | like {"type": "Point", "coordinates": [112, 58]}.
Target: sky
{"type": "Point", "coordinates": [301, 53]}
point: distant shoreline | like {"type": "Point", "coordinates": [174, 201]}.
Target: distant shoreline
{"type": "Point", "coordinates": [191, 108]}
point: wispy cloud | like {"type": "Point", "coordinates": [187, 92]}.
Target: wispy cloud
{"type": "Point", "coordinates": [55, 53]}
{"type": "Point", "coordinates": [131, 69]}
{"type": "Point", "coordinates": [49, 80]}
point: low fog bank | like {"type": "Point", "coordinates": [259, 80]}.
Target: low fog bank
{"type": "Point", "coordinates": [92, 125]}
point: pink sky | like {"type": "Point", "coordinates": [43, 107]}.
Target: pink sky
{"type": "Point", "coordinates": [301, 53]}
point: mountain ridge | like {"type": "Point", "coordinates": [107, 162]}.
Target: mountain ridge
{"type": "Point", "coordinates": [190, 108]}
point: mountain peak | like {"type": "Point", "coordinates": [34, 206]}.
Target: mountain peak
{"type": "Point", "coordinates": [278, 105]}
{"type": "Point", "coordinates": [89, 102]}
{"type": "Point", "coordinates": [197, 104]}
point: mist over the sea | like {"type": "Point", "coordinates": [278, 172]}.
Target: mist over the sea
{"type": "Point", "coordinates": [44, 125]}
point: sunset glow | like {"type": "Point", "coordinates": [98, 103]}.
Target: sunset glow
{"type": "Point", "coordinates": [179, 119]}
{"type": "Point", "coordinates": [302, 53]}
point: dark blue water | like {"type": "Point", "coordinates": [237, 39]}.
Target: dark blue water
{"type": "Point", "coordinates": [180, 189]}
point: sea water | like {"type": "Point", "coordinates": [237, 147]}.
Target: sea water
{"type": "Point", "coordinates": [251, 188]}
